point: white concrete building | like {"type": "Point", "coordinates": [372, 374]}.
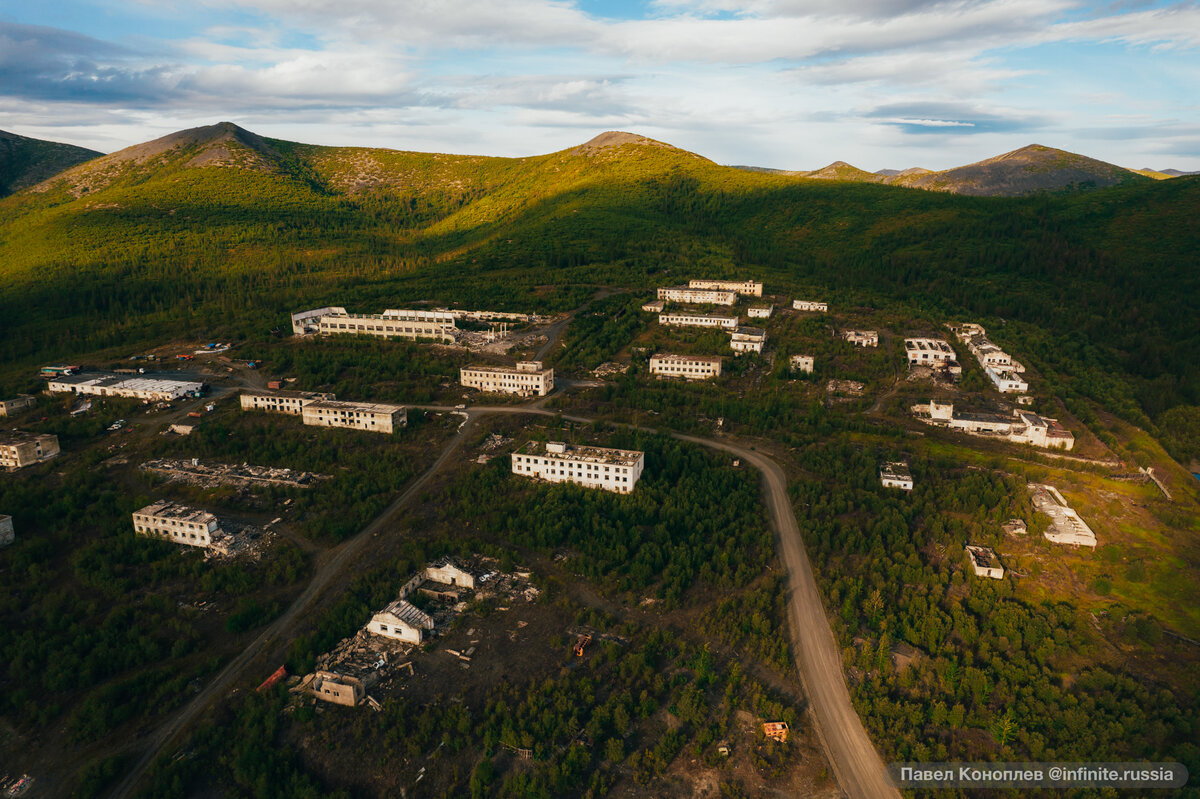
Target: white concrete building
{"type": "Point", "coordinates": [686, 319]}
{"type": "Point", "coordinates": [811, 305]}
{"type": "Point", "coordinates": [747, 288]}
{"type": "Point", "coordinates": [896, 475]}
{"type": "Point", "coordinates": [748, 339]}
{"type": "Point", "coordinates": [150, 389]}
{"type": "Point", "coordinates": [19, 449]}
{"type": "Point", "coordinates": [1005, 381]}
{"type": "Point", "coordinates": [984, 562]}
{"type": "Point", "coordinates": [616, 470]}
{"type": "Point", "coordinates": [339, 689]}
{"type": "Point", "coordinates": [696, 296]}
{"type": "Point", "coordinates": [448, 572]}
{"type": "Point", "coordinates": [288, 402]}
{"type": "Point", "coordinates": [526, 379]}
{"type": "Point", "coordinates": [7, 534]}
{"type": "Point", "coordinates": [802, 363]}
{"type": "Point", "coordinates": [305, 322]}
{"type": "Point", "coordinates": [1001, 368]}
{"type": "Point", "coordinates": [691, 367]}
{"type": "Point", "coordinates": [654, 306]}
{"type": "Point", "coordinates": [862, 338]}
{"type": "Point", "coordinates": [760, 311]}
{"type": "Point", "coordinates": [1066, 527]}
{"type": "Point", "coordinates": [177, 523]}
{"type": "Point", "coordinates": [16, 404]}
{"type": "Point", "coordinates": [1021, 427]}
{"type": "Point", "coordinates": [402, 621]}
{"type": "Point", "coordinates": [410, 325]}
{"type": "Point", "coordinates": [928, 351]}
{"type": "Point", "coordinates": [376, 417]}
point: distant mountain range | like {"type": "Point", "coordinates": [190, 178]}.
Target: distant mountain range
{"type": "Point", "coordinates": [25, 161]}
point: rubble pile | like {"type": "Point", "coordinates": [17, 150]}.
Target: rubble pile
{"type": "Point", "coordinates": [211, 475]}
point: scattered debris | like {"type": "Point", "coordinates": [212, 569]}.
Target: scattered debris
{"type": "Point", "coordinates": [210, 475]}
{"type": "Point", "coordinates": [1065, 525]}
{"type": "Point", "coordinates": [610, 368]}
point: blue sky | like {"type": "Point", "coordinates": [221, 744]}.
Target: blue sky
{"type": "Point", "coordinates": [792, 84]}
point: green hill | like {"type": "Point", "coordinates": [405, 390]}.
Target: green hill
{"type": "Point", "coordinates": [25, 161]}
{"type": "Point", "coordinates": [216, 231]}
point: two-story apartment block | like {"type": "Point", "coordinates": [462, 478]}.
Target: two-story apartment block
{"type": "Point", "coordinates": [177, 523]}
{"type": "Point", "coordinates": [748, 339]}
{"type": "Point", "coordinates": [616, 470]}
{"type": "Point", "coordinates": [693, 296]}
{"type": "Point", "coordinates": [18, 449]}
{"type": "Point", "coordinates": [289, 402]}
{"type": "Point", "coordinates": [691, 367]}
{"type": "Point", "coordinates": [376, 417]}
{"type": "Point", "coordinates": [526, 379]}
{"type": "Point", "coordinates": [811, 305]}
{"type": "Point", "coordinates": [862, 338]}
{"type": "Point", "coordinates": [747, 288]}
{"type": "Point", "coordinates": [686, 319]}
{"type": "Point", "coordinates": [410, 325]}
{"type": "Point", "coordinates": [927, 351]}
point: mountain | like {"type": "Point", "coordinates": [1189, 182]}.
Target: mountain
{"type": "Point", "coordinates": [1029, 170]}
{"type": "Point", "coordinates": [840, 170]}
{"type": "Point", "coordinates": [1175, 173]}
{"type": "Point", "coordinates": [912, 170]}
{"type": "Point", "coordinates": [25, 161]}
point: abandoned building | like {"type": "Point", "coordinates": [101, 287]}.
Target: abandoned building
{"type": "Point", "coordinates": [694, 319]}
{"type": "Point", "coordinates": [289, 402]}
{"type": "Point", "coordinates": [760, 311]}
{"type": "Point", "coordinates": [862, 338]}
{"type": "Point", "coordinates": [19, 449]}
{"type": "Point", "coordinates": [1001, 368]}
{"type": "Point", "coordinates": [177, 523]}
{"type": "Point", "coordinates": [16, 404]}
{"type": "Point", "coordinates": [411, 325]}
{"type": "Point", "coordinates": [338, 689]}
{"type": "Point", "coordinates": [307, 322]}
{"type": "Point", "coordinates": [802, 363]}
{"type": "Point", "coordinates": [811, 305]}
{"type": "Point", "coordinates": [402, 621]}
{"type": "Point", "coordinates": [984, 562]}
{"type": "Point", "coordinates": [150, 389]}
{"type": "Point", "coordinates": [615, 470]}
{"type": "Point", "coordinates": [7, 534]}
{"type": "Point", "coordinates": [376, 417]}
{"type": "Point", "coordinates": [691, 367]}
{"type": "Point", "coordinates": [691, 296]}
{"type": "Point", "coordinates": [526, 379]}
{"type": "Point", "coordinates": [1019, 427]}
{"type": "Point", "coordinates": [1066, 527]}
{"type": "Point", "coordinates": [896, 474]}
{"type": "Point", "coordinates": [654, 306]}
{"type": "Point", "coordinates": [747, 288]}
{"type": "Point", "coordinates": [747, 339]}
{"type": "Point", "coordinates": [209, 475]}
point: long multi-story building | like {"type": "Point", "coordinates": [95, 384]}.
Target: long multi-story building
{"type": "Point", "coordinates": [1021, 427]}
{"type": "Point", "coordinates": [18, 449]}
{"type": "Point", "coordinates": [305, 322]}
{"type": "Point", "coordinates": [150, 389]}
{"type": "Point", "coordinates": [686, 319]}
{"type": "Point", "coordinates": [1001, 368]}
{"type": "Point", "coordinates": [862, 338]}
{"type": "Point", "coordinates": [376, 417]}
{"type": "Point", "coordinates": [748, 339]}
{"type": "Point", "coordinates": [692, 367]}
{"type": "Point", "coordinates": [747, 288]}
{"type": "Point", "coordinates": [289, 402]}
{"type": "Point", "coordinates": [16, 404]}
{"type": "Point", "coordinates": [811, 305]}
{"type": "Point", "coordinates": [412, 325]}
{"type": "Point", "coordinates": [693, 296]}
{"type": "Point", "coordinates": [526, 379]}
{"type": "Point", "coordinates": [178, 523]}
{"type": "Point", "coordinates": [614, 470]}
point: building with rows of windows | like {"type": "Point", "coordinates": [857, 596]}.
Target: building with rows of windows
{"type": "Point", "coordinates": [526, 379]}
{"type": "Point", "coordinates": [616, 470]}
{"type": "Point", "coordinates": [691, 367]}
{"type": "Point", "coordinates": [177, 523]}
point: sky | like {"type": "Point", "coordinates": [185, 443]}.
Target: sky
{"type": "Point", "coordinates": [789, 84]}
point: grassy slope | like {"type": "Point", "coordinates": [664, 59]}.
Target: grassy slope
{"type": "Point", "coordinates": [25, 161]}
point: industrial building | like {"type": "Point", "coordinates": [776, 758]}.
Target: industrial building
{"type": "Point", "coordinates": [692, 367]}
{"type": "Point", "coordinates": [801, 363]}
{"type": "Point", "coordinates": [375, 417]}
{"type": "Point", "coordinates": [811, 305]}
{"type": "Point", "coordinates": [149, 389]}
{"type": "Point", "coordinates": [1019, 427]}
{"type": "Point", "coordinates": [748, 339]}
{"type": "Point", "coordinates": [16, 404]}
{"type": "Point", "coordinates": [615, 470]}
{"type": "Point", "coordinates": [686, 319]}
{"type": "Point", "coordinates": [896, 475]}
{"type": "Point", "coordinates": [1065, 525]}
{"type": "Point", "coordinates": [18, 449]}
{"type": "Point", "coordinates": [7, 534]}
{"type": "Point", "coordinates": [411, 325]}
{"type": "Point", "coordinates": [526, 379]}
{"type": "Point", "coordinates": [984, 562]}
{"type": "Point", "coordinates": [862, 338]}
{"type": "Point", "coordinates": [685, 294]}
{"type": "Point", "coordinates": [289, 402]}
{"type": "Point", "coordinates": [305, 322]}
{"type": "Point", "coordinates": [760, 311]}
{"type": "Point", "coordinates": [747, 288]}
{"type": "Point", "coordinates": [177, 523]}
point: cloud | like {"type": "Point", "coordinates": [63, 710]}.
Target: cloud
{"type": "Point", "coordinates": [960, 118]}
